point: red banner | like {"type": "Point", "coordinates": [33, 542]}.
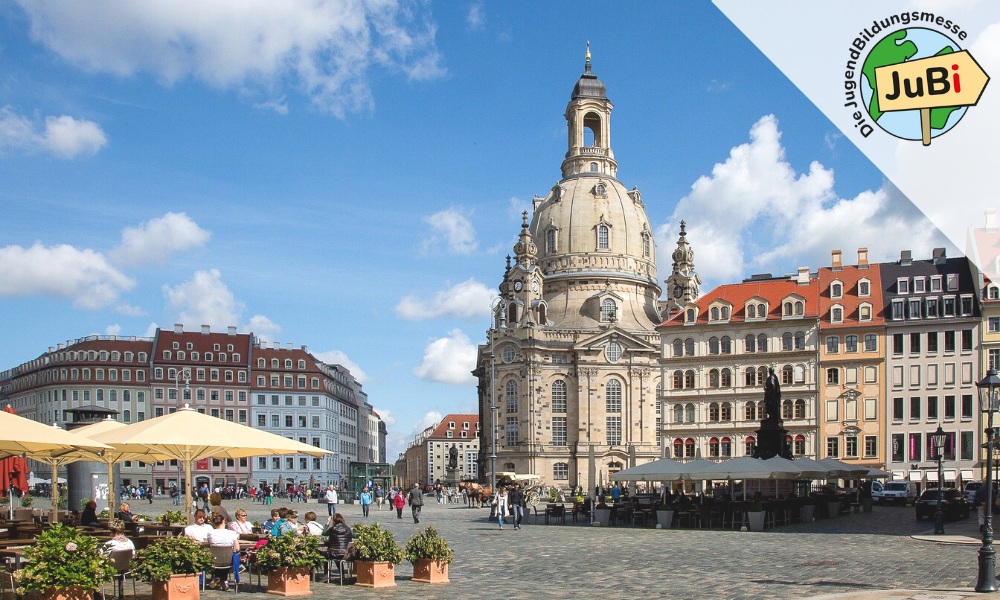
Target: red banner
{"type": "Point", "coordinates": [201, 465]}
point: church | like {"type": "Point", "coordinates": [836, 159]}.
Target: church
{"type": "Point", "coordinates": [571, 358]}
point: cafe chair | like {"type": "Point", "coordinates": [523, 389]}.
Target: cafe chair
{"type": "Point", "coordinates": [122, 560]}
{"type": "Point", "coordinates": [222, 560]}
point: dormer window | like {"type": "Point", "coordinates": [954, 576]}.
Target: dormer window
{"type": "Point", "coordinates": [952, 282]}
{"type": "Point", "coordinates": [602, 237]}
{"type": "Point", "coordinates": [865, 312]}
{"type": "Point", "coordinates": [751, 311]}
{"type": "Point", "coordinates": [993, 292]}
{"type": "Point", "coordinates": [799, 309]}
{"type": "Point", "coordinates": [714, 314]}
{"type": "Point", "coordinates": [918, 285]}
{"type": "Point", "coordinates": [936, 283]}
{"type": "Point", "coordinates": [837, 314]}
{"type": "Point", "coordinates": [550, 241]}
{"type": "Point", "coordinates": [864, 288]}
{"type": "Point", "coordinates": [689, 316]}
{"type": "Point", "coordinates": [609, 310]}
{"type": "Point", "coordinates": [902, 285]}
{"type": "Point", "coordinates": [836, 290]}
{"type": "Point", "coordinates": [600, 191]}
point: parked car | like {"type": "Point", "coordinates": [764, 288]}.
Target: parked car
{"type": "Point", "coordinates": [894, 492]}
{"type": "Point", "coordinates": [953, 505]}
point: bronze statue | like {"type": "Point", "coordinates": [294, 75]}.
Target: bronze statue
{"type": "Point", "coordinates": [772, 396]}
{"type": "Point", "coordinates": [453, 458]}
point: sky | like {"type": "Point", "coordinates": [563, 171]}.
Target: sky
{"type": "Point", "coordinates": [350, 175]}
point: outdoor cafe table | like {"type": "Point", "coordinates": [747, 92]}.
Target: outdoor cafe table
{"type": "Point", "coordinates": [162, 529]}
{"type": "Point", "coordinates": [13, 553]}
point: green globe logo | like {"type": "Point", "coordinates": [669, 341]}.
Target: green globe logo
{"type": "Point", "coordinates": [909, 44]}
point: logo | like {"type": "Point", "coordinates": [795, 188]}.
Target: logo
{"type": "Point", "coordinates": [914, 83]}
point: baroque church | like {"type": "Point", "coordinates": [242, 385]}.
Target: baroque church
{"type": "Point", "coordinates": [571, 357]}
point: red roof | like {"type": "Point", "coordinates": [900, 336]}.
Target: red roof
{"type": "Point", "coordinates": [201, 343]}
{"type": "Point", "coordinates": [440, 432]}
{"type": "Point", "coordinates": [773, 291]}
{"type": "Point", "coordinates": [849, 276]}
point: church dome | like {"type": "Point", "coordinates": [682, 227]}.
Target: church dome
{"type": "Point", "coordinates": [589, 86]}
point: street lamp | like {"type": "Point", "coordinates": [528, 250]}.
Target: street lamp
{"type": "Point", "coordinates": [178, 375]}
{"type": "Point", "coordinates": [497, 322]}
{"type": "Point", "coordinates": [937, 439]}
{"type": "Point", "coordinates": [989, 402]}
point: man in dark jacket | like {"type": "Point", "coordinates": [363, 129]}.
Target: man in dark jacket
{"type": "Point", "coordinates": [516, 501]}
{"type": "Point", "coordinates": [416, 502]}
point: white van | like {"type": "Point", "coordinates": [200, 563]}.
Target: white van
{"type": "Point", "coordinates": [894, 492]}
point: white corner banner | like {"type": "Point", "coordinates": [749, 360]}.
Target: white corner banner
{"type": "Point", "coordinates": [909, 84]}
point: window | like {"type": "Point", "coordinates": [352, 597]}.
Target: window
{"type": "Point", "coordinates": [864, 288]}
{"type": "Point", "coordinates": [871, 342]}
{"type": "Point", "coordinates": [800, 340]}
{"type": "Point", "coordinates": [966, 340]}
{"type": "Point", "coordinates": [902, 285]}
{"type": "Point", "coordinates": [915, 408]}
{"type": "Point", "coordinates": [968, 443]}
{"type": "Point", "coordinates": [949, 306]}
{"type": "Point", "coordinates": [689, 448]}
{"type": "Point", "coordinates": [897, 310]}
{"type": "Point", "coordinates": [678, 413]}
{"type": "Point", "coordinates": [511, 395]}
{"type": "Point", "coordinates": [750, 411]}
{"type": "Point", "coordinates": [851, 446]}
{"type": "Point", "coordinates": [602, 237]}
{"type": "Point", "coordinates": [613, 351]}
{"type": "Point", "coordinates": [833, 447]}
{"type": "Point", "coordinates": [832, 344]}
{"type": "Point", "coordinates": [689, 347]}
{"type": "Point", "coordinates": [966, 306]}
{"type": "Point", "coordinates": [713, 378]}
{"type": "Point", "coordinates": [713, 412]}
{"type": "Point", "coordinates": [786, 341]}
{"type": "Point", "coordinates": [689, 379]}
{"type": "Point", "coordinates": [713, 447]}
{"type": "Point", "coordinates": [949, 341]}
{"type": "Point", "coordinates": [966, 406]}
{"type": "Point", "coordinates": [560, 471]}
{"type": "Point", "coordinates": [713, 344]}
{"type": "Point", "coordinates": [751, 311]}
{"type": "Point", "coordinates": [726, 379]}
{"type": "Point", "coordinates": [749, 446]}
{"type": "Point", "coordinates": [851, 343]}
{"type": "Point", "coordinates": [993, 323]}
{"type": "Point", "coordinates": [915, 309]}
{"type": "Point", "coordinates": [689, 413]}
{"type": "Point", "coordinates": [613, 396]}
{"type": "Point", "coordinates": [678, 380]}
{"type": "Point", "coordinates": [949, 407]}
{"type": "Point", "coordinates": [726, 345]}
{"type": "Point", "coordinates": [786, 375]}
{"type": "Point", "coordinates": [762, 343]}
{"type": "Point", "coordinates": [865, 312]}
{"type": "Point", "coordinates": [613, 426]}
{"type": "Point", "coordinates": [559, 396]}
{"type": "Point", "coordinates": [750, 343]}
{"type": "Point", "coordinates": [914, 343]}
{"type": "Point", "coordinates": [261, 420]}
{"type": "Point", "coordinates": [836, 290]}
{"type": "Point", "coordinates": [609, 310]}
{"type": "Point", "coordinates": [931, 307]}
{"type": "Point", "coordinates": [932, 408]}
{"type": "Point", "coordinates": [558, 431]}
{"type": "Point", "coordinates": [871, 446]}
{"type": "Point", "coordinates": [833, 376]}
{"type": "Point", "coordinates": [678, 347]}
{"type": "Point", "coordinates": [932, 341]}
{"type": "Point", "coordinates": [786, 409]}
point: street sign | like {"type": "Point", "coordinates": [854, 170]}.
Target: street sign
{"type": "Point", "coordinates": [946, 80]}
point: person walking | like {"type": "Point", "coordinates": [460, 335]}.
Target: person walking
{"type": "Point", "coordinates": [379, 496]}
{"type": "Point", "coordinates": [331, 500]}
{"type": "Point", "coordinates": [366, 501]}
{"type": "Point", "coordinates": [416, 502]}
{"type": "Point", "coordinates": [517, 504]}
{"type": "Point", "coordinates": [500, 502]}
{"type": "Point", "coordinates": [398, 502]}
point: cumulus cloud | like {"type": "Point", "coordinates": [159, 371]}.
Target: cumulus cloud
{"type": "Point", "coordinates": [754, 212]}
{"type": "Point", "coordinates": [452, 229]}
{"type": "Point", "coordinates": [338, 357]}
{"type": "Point", "coordinates": [155, 240]}
{"type": "Point", "coordinates": [431, 418]}
{"type": "Point", "coordinates": [476, 16]}
{"type": "Point", "coordinates": [449, 360]}
{"type": "Point", "coordinates": [467, 300]}
{"type": "Point", "coordinates": [323, 49]}
{"type": "Point", "coordinates": [113, 329]}
{"type": "Point", "coordinates": [62, 136]}
{"type": "Point", "coordinates": [262, 327]}
{"type": "Point", "coordinates": [151, 330]}
{"type": "Point", "coordinates": [63, 271]}
{"type": "Point", "coordinates": [386, 415]}
{"type": "Point", "coordinates": [203, 300]}
{"type": "Point", "coordinates": [130, 311]}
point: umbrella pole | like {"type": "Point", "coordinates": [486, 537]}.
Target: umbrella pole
{"type": "Point", "coordinates": [55, 491]}
{"type": "Point", "coordinates": [111, 487]}
{"type": "Point", "coordinates": [187, 495]}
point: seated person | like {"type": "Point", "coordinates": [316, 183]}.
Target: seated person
{"type": "Point", "coordinates": [125, 513]}
{"type": "Point", "coordinates": [118, 540]}
{"type": "Point", "coordinates": [338, 536]}
{"type": "Point", "coordinates": [215, 499]}
{"type": "Point", "coordinates": [282, 517]}
{"type": "Point", "coordinates": [88, 518]}
{"type": "Point", "coordinates": [241, 525]}
{"type": "Point", "coordinates": [221, 537]}
{"type": "Point", "coordinates": [311, 527]}
{"type": "Point", "coordinates": [198, 531]}
{"type": "Point", "coordinates": [269, 524]}
{"type": "Point", "coordinates": [290, 524]}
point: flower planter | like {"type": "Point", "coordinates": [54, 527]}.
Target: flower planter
{"type": "Point", "coordinates": [288, 582]}
{"type": "Point", "coordinates": [602, 516]}
{"type": "Point", "coordinates": [180, 587]}
{"type": "Point", "coordinates": [430, 571]}
{"type": "Point", "coordinates": [756, 520]}
{"type": "Point", "coordinates": [665, 518]}
{"type": "Point", "coordinates": [76, 592]}
{"type": "Point", "coordinates": [375, 574]}
{"type": "Point", "coordinates": [833, 508]}
{"type": "Point", "coordinates": [806, 513]}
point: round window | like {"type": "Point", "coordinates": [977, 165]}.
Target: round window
{"type": "Point", "coordinates": [507, 354]}
{"type": "Point", "coordinates": [613, 351]}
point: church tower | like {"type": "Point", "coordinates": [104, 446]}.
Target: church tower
{"type": "Point", "coordinates": [683, 285]}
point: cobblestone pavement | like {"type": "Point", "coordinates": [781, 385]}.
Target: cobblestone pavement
{"type": "Point", "coordinates": [854, 556]}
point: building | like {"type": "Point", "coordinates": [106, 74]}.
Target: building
{"type": "Point", "coordinates": [852, 362]}
{"type": "Point", "coordinates": [572, 348]}
{"type": "Point", "coordinates": [716, 353]}
{"type": "Point", "coordinates": [983, 249]}
{"type": "Point", "coordinates": [933, 321]}
{"type": "Point", "coordinates": [426, 458]}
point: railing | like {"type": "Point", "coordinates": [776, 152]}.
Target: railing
{"type": "Point", "coordinates": [593, 151]}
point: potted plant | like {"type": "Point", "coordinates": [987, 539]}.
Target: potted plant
{"type": "Point", "coordinates": [755, 516]}
{"type": "Point", "coordinates": [376, 555]}
{"type": "Point", "coordinates": [289, 560]}
{"type": "Point", "coordinates": [430, 555]}
{"type": "Point", "coordinates": [64, 564]}
{"type": "Point", "coordinates": [172, 516]}
{"type": "Point", "coordinates": [171, 565]}
{"type": "Point", "coordinates": [602, 514]}
{"type": "Point", "coordinates": [27, 500]}
{"type": "Point", "coordinates": [665, 515]}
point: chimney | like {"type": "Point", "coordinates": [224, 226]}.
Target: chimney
{"type": "Point", "coordinates": [803, 276]}
{"type": "Point", "coordinates": [205, 330]}
{"type": "Point", "coordinates": [862, 258]}
{"type": "Point", "coordinates": [288, 346]}
{"type": "Point", "coordinates": [178, 328]}
{"type": "Point", "coordinates": [59, 346]}
{"type": "Point", "coordinates": [905, 258]}
{"type": "Point", "coordinates": [304, 348]}
{"type": "Point", "coordinates": [991, 219]}
{"type": "Point", "coordinates": [836, 263]}
{"type": "Point", "coordinates": [232, 330]}
{"type": "Point", "coordinates": [939, 256]}
{"type": "Point", "coordinates": [51, 349]}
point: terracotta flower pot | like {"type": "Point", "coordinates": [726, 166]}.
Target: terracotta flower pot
{"type": "Point", "coordinates": [430, 571]}
{"type": "Point", "coordinates": [288, 582]}
{"type": "Point", "coordinates": [75, 592]}
{"type": "Point", "coordinates": [375, 574]}
{"type": "Point", "coordinates": [180, 587]}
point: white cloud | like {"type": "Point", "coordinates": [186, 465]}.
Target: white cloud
{"type": "Point", "coordinates": [113, 329]}
{"type": "Point", "coordinates": [62, 136]}
{"type": "Point", "coordinates": [278, 105]}
{"type": "Point", "coordinates": [204, 300]}
{"type": "Point", "coordinates": [518, 207]}
{"type": "Point", "coordinates": [386, 415]}
{"type": "Point", "coordinates": [467, 300]}
{"type": "Point", "coordinates": [476, 16]}
{"type": "Point", "coordinates": [262, 327]}
{"type": "Point", "coordinates": [156, 239]}
{"type": "Point", "coordinates": [337, 357]}
{"type": "Point", "coordinates": [431, 418]}
{"type": "Point", "coordinates": [151, 330]}
{"type": "Point", "coordinates": [449, 360]}
{"type": "Point", "coordinates": [755, 212]}
{"type": "Point", "coordinates": [323, 49]}
{"type": "Point", "coordinates": [453, 229]}
{"type": "Point", "coordinates": [130, 311]}
{"type": "Point", "coordinates": [63, 272]}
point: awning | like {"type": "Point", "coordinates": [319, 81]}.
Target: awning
{"type": "Point", "coordinates": [950, 474]}
{"type": "Point", "coordinates": [916, 475]}
{"type": "Point", "coordinates": [931, 475]}
{"type": "Point", "coordinates": [968, 475]}
{"type": "Point", "coordinates": [899, 474]}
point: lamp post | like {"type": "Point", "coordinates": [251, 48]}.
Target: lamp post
{"type": "Point", "coordinates": [497, 322]}
{"type": "Point", "coordinates": [178, 375]}
{"type": "Point", "coordinates": [989, 402]}
{"type": "Point", "coordinates": [937, 439]}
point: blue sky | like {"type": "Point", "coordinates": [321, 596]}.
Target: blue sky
{"type": "Point", "coordinates": [354, 182]}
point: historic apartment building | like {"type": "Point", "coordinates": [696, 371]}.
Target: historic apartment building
{"type": "Point", "coordinates": [852, 362]}
{"type": "Point", "coordinates": [425, 460]}
{"type": "Point", "coordinates": [715, 355]}
{"type": "Point", "coordinates": [983, 249]}
{"type": "Point", "coordinates": [932, 342]}
{"type": "Point", "coordinates": [571, 357]}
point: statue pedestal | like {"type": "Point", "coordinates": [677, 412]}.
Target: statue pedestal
{"type": "Point", "coordinates": [771, 440]}
{"type": "Point", "coordinates": [451, 477]}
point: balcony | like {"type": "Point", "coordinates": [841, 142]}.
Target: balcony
{"type": "Point", "coordinates": [593, 151]}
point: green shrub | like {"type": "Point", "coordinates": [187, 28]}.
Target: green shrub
{"type": "Point", "coordinates": [757, 506]}
{"type": "Point", "coordinates": [63, 557]}
{"type": "Point", "coordinates": [27, 500]}
{"type": "Point", "coordinates": [291, 551]}
{"type": "Point", "coordinates": [427, 544]}
{"type": "Point", "coordinates": [172, 516]}
{"type": "Point", "coordinates": [374, 544]}
{"type": "Point", "coordinates": [171, 556]}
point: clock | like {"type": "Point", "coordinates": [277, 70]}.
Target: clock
{"type": "Point", "coordinates": [518, 285]}
{"type": "Point", "coordinates": [678, 292]}
{"type": "Point", "coordinates": [534, 286]}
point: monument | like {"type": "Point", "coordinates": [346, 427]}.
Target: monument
{"type": "Point", "coordinates": [772, 436]}
{"type": "Point", "coordinates": [452, 468]}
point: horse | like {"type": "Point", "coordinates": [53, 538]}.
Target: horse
{"type": "Point", "coordinates": [476, 493]}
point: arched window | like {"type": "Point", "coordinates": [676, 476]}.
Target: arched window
{"type": "Point", "coordinates": [678, 413]}
{"type": "Point", "coordinates": [550, 241]}
{"type": "Point", "coordinates": [689, 448]}
{"type": "Point", "coordinates": [713, 345]}
{"type": "Point", "coordinates": [725, 412]}
{"type": "Point", "coordinates": [726, 379]}
{"type": "Point", "coordinates": [750, 343]}
{"type": "Point", "coordinates": [786, 375]}
{"type": "Point", "coordinates": [750, 377]}
{"type": "Point", "coordinates": [787, 309]}
{"type": "Point", "coordinates": [751, 311]}
{"type": "Point", "coordinates": [713, 378]}
{"type": "Point", "coordinates": [725, 447]}
{"type": "Point", "coordinates": [725, 313]}
{"type": "Point", "coordinates": [678, 380]}
{"type": "Point", "coordinates": [800, 340]}
{"type": "Point", "coordinates": [512, 312]}
{"type": "Point", "coordinates": [727, 345]}
{"type": "Point", "coordinates": [646, 250]}
{"type": "Point", "coordinates": [749, 446]}
{"type": "Point", "coordinates": [713, 447]}
{"type": "Point", "coordinates": [613, 396]}
{"type": "Point", "coordinates": [786, 409]}
{"type": "Point", "coordinates": [126, 395]}
{"type": "Point", "coordinates": [511, 395]}
{"type": "Point", "coordinates": [799, 447]}
{"type": "Point", "coordinates": [750, 411]}
{"type": "Point", "coordinates": [609, 310]}
{"type": "Point", "coordinates": [800, 374]}
{"type": "Point", "coordinates": [689, 379]}
{"type": "Point", "coordinates": [715, 313]}
{"type": "Point", "coordinates": [762, 343]}
{"type": "Point", "coordinates": [593, 167]}
{"type": "Point", "coordinates": [100, 395]}
{"type": "Point", "coordinates": [713, 412]}
{"type": "Point", "coordinates": [602, 237]}
{"type": "Point", "coordinates": [761, 311]}
{"type": "Point", "coordinates": [761, 375]}
{"type": "Point", "coordinates": [678, 348]}
{"type": "Point", "coordinates": [800, 409]}
{"type": "Point", "coordinates": [678, 448]}
{"type": "Point", "coordinates": [542, 318]}
{"type": "Point", "coordinates": [799, 308]}
{"type": "Point", "coordinates": [559, 396]}
{"type": "Point", "coordinates": [689, 413]}
{"type": "Point", "coordinates": [761, 413]}
{"type": "Point", "coordinates": [689, 347]}
{"type": "Point", "coordinates": [689, 316]}
{"type": "Point", "coordinates": [786, 341]}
